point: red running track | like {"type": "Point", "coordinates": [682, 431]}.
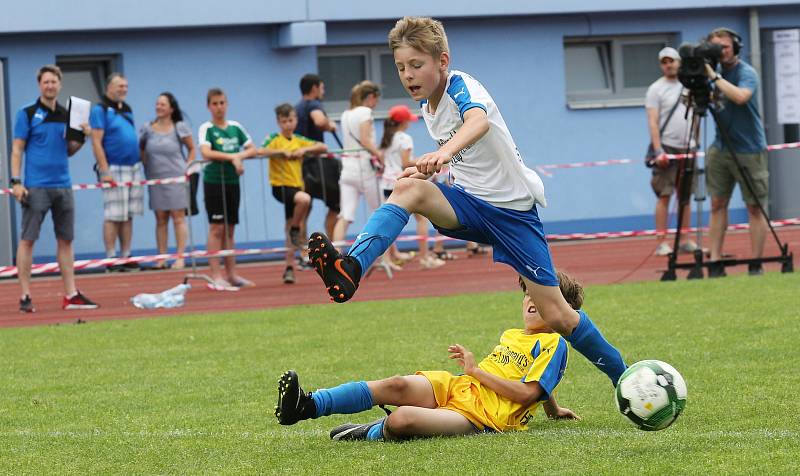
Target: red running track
{"type": "Point", "coordinates": [592, 262]}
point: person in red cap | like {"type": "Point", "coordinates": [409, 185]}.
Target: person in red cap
{"type": "Point", "coordinates": [398, 154]}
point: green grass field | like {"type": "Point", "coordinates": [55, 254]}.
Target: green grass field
{"type": "Point", "coordinates": [196, 394]}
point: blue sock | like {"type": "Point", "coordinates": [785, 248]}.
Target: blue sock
{"type": "Point", "coordinates": [376, 432]}
{"type": "Point", "coordinates": [351, 397]}
{"type": "Point", "coordinates": [380, 231]}
{"type": "Point", "coordinates": [588, 340]}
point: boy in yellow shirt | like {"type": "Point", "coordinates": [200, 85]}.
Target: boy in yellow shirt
{"type": "Point", "coordinates": [501, 393]}
{"type": "Point", "coordinates": [286, 151]}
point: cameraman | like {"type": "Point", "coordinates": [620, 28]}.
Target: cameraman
{"type": "Point", "coordinates": [736, 88]}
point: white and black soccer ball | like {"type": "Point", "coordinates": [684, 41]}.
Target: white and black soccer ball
{"type": "Point", "coordinates": [651, 394]}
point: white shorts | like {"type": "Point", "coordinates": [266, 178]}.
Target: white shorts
{"type": "Point", "coordinates": [351, 188]}
{"type": "Point", "coordinates": [122, 203]}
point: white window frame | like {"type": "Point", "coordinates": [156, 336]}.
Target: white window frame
{"type": "Point", "coordinates": [618, 95]}
{"type": "Point", "coordinates": [372, 55]}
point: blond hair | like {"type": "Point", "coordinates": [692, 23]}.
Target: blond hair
{"type": "Point", "coordinates": [421, 33]}
{"type": "Point", "coordinates": [361, 91]}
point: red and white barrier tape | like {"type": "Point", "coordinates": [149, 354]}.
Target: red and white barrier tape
{"type": "Point", "coordinates": [10, 271]}
{"type": "Point", "coordinates": [138, 183]}
{"type": "Point", "coordinates": [543, 169]}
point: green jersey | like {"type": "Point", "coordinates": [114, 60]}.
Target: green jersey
{"type": "Point", "coordinates": [230, 140]}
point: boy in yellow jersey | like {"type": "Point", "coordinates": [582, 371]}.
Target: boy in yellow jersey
{"type": "Point", "coordinates": [501, 393]}
{"type": "Point", "coordinates": [286, 151]}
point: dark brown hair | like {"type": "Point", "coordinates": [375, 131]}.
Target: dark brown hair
{"type": "Point", "coordinates": [213, 92]}
{"type": "Point", "coordinates": [284, 110]}
{"type": "Point", "coordinates": [389, 130]}
{"type": "Point", "coordinates": [571, 289]}
{"type": "Point", "coordinates": [48, 68]}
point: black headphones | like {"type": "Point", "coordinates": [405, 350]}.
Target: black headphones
{"type": "Point", "coordinates": [735, 38]}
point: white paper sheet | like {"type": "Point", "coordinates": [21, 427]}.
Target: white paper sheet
{"type": "Point", "coordinates": [78, 112]}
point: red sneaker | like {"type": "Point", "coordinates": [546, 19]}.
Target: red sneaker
{"type": "Point", "coordinates": [78, 301]}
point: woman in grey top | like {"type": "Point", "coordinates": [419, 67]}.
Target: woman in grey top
{"type": "Point", "coordinates": [161, 142]}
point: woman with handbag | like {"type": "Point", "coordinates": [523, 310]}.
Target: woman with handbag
{"type": "Point", "coordinates": [162, 143]}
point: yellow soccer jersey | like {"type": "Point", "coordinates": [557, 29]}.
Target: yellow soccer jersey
{"type": "Point", "coordinates": [528, 358]}
{"type": "Point", "coordinates": [286, 172]}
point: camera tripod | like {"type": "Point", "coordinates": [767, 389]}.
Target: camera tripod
{"type": "Point", "coordinates": [686, 172]}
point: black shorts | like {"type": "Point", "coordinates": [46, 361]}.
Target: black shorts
{"type": "Point", "coordinates": [213, 195]}
{"type": "Point", "coordinates": [59, 202]}
{"type": "Point", "coordinates": [286, 195]}
{"type": "Point", "coordinates": [323, 184]}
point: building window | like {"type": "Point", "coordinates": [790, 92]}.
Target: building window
{"type": "Point", "coordinates": [85, 76]}
{"type": "Point", "coordinates": [611, 71]}
{"type": "Point", "coordinates": [342, 67]}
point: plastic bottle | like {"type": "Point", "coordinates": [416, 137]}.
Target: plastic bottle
{"type": "Point", "coordinates": [173, 297]}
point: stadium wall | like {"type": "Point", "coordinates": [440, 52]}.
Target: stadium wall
{"type": "Point", "coordinates": [519, 59]}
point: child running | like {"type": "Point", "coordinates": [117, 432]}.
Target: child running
{"type": "Point", "coordinates": [398, 153]}
{"type": "Point", "coordinates": [501, 393]}
{"type": "Point", "coordinates": [286, 151]}
{"type": "Point", "coordinates": [492, 200]}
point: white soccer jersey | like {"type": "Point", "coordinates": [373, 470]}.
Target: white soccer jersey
{"type": "Point", "coordinates": [491, 168]}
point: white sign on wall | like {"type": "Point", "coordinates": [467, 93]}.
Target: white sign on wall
{"type": "Point", "coordinates": [787, 75]}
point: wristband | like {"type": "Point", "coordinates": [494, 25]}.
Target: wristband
{"type": "Point", "coordinates": [15, 181]}
{"type": "Point", "coordinates": [716, 78]}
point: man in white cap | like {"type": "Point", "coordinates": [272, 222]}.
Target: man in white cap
{"type": "Point", "coordinates": [669, 134]}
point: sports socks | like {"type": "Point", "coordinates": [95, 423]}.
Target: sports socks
{"type": "Point", "coordinates": [376, 432]}
{"type": "Point", "coordinates": [351, 397]}
{"type": "Point", "coordinates": [381, 230]}
{"type": "Point", "coordinates": [588, 340]}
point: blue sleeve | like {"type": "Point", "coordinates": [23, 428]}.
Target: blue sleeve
{"type": "Point", "coordinates": [97, 118]}
{"type": "Point", "coordinates": [748, 79]}
{"type": "Point", "coordinates": [22, 127]}
{"type": "Point", "coordinates": [460, 94]}
{"type": "Point", "coordinates": [552, 374]}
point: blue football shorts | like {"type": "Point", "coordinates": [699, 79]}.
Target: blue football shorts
{"type": "Point", "coordinates": [517, 237]}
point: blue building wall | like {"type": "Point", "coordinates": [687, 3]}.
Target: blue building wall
{"type": "Point", "coordinates": [520, 60]}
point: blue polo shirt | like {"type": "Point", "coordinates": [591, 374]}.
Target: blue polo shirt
{"type": "Point", "coordinates": [742, 123]}
{"type": "Point", "coordinates": [120, 139]}
{"type": "Point", "coordinates": [44, 132]}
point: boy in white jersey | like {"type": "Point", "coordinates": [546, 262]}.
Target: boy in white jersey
{"type": "Point", "coordinates": [492, 200]}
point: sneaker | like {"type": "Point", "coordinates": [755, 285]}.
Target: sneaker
{"type": "Point", "coordinates": [115, 268]}
{"type": "Point", "coordinates": [688, 247]}
{"type": "Point", "coordinates": [295, 238]}
{"type": "Point", "coordinates": [340, 274]}
{"type": "Point", "coordinates": [353, 431]}
{"type": "Point", "coordinates": [431, 262]}
{"type": "Point", "coordinates": [716, 269]}
{"type": "Point", "coordinates": [755, 269]}
{"type": "Point", "coordinates": [26, 304]}
{"type": "Point", "coordinates": [131, 266]}
{"type": "Point", "coordinates": [221, 285]}
{"type": "Point", "coordinates": [303, 264]}
{"type": "Point", "coordinates": [288, 275]}
{"type": "Point", "coordinates": [241, 282]}
{"type": "Point", "coordinates": [293, 404]}
{"type": "Point", "coordinates": [78, 301]}
{"type": "Point", "coordinates": [663, 249]}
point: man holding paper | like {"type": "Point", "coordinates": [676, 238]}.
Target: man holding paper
{"type": "Point", "coordinates": [40, 134]}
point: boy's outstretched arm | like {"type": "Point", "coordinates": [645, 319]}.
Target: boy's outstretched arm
{"type": "Point", "coordinates": [476, 124]}
{"type": "Point", "coordinates": [524, 393]}
{"type": "Point", "coordinates": [554, 412]}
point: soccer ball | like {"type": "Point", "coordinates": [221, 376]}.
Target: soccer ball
{"type": "Point", "coordinates": [651, 394]}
